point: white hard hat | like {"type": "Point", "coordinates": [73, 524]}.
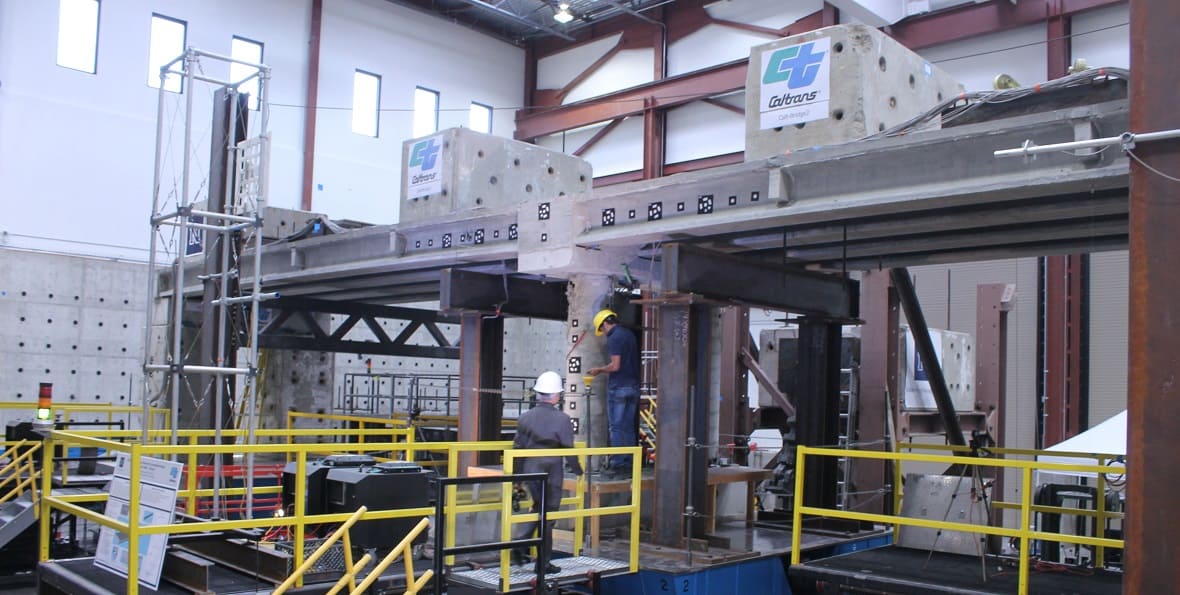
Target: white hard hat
{"type": "Point", "coordinates": [548, 383]}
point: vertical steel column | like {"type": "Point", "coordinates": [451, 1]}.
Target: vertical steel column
{"type": "Point", "coordinates": [925, 348]}
{"type": "Point", "coordinates": [481, 367]}
{"type": "Point", "coordinates": [1065, 278]}
{"type": "Point", "coordinates": [681, 415]}
{"type": "Point", "coordinates": [817, 406]}
{"type": "Point", "coordinates": [312, 101]}
{"type": "Point", "coordinates": [733, 420]}
{"type": "Point", "coordinates": [878, 385]}
{"type": "Point", "coordinates": [1153, 393]}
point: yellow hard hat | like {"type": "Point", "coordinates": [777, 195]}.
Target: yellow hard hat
{"type": "Point", "coordinates": [600, 318]}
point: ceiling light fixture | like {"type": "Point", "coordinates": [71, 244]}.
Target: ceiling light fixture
{"type": "Point", "coordinates": [563, 14]}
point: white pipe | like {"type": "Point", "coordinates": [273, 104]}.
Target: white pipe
{"type": "Point", "coordinates": [1126, 139]}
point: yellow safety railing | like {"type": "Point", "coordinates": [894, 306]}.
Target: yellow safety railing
{"type": "Point", "coordinates": [19, 471]}
{"type": "Point", "coordinates": [1023, 532]}
{"type": "Point", "coordinates": [404, 547]}
{"type": "Point", "coordinates": [158, 417]}
{"type": "Point", "coordinates": [579, 513]}
{"type": "Point", "coordinates": [325, 547]}
{"type": "Point", "coordinates": [191, 449]}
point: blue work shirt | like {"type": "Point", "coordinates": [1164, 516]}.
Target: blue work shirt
{"type": "Point", "coordinates": [622, 342]}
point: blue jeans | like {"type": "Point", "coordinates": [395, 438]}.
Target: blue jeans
{"type": "Point", "coordinates": [622, 414]}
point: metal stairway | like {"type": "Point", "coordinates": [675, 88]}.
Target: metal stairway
{"type": "Point", "coordinates": [16, 516]}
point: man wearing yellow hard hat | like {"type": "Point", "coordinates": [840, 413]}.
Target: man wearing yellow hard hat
{"type": "Point", "coordinates": [622, 388]}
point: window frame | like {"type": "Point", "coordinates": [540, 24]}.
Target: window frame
{"type": "Point", "coordinates": [154, 77]}
{"type": "Point", "coordinates": [376, 104]}
{"type": "Point", "coordinates": [437, 103]}
{"type": "Point", "coordinates": [491, 112]}
{"type": "Point", "coordinates": [97, 32]}
{"type": "Point", "coordinates": [261, 57]}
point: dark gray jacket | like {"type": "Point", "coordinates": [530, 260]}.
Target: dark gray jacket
{"type": "Point", "coordinates": [545, 426]}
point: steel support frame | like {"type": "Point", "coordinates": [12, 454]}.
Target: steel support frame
{"type": "Point", "coordinates": [925, 348]}
{"type": "Point", "coordinates": [683, 418]}
{"type": "Point", "coordinates": [503, 294]}
{"type": "Point", "coordinates": [273, 335]}
{"type": "Point", "coordinates": [993, 302]}
{"type": "Point", "coordinates": [734, 417]}
{"type": "Point", "coordinates": [879, 336]}
{"type": "Point", "coordinates": [311, 101]}
{"type": "Point", "coordinates": [1153, 395]}
{"type": "Point", "coordinates": [481, 372]}
{"type": "Point", "coordinates": [1065, 359]}
{"type": "Point", "coordinates": [691, 269]}
{"type": "Point", "coordinates": [817, 406]}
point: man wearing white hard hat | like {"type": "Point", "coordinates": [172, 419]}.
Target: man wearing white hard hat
{"type": "Point", "coordinates": [544, 426]}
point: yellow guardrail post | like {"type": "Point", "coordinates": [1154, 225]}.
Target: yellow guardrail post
{"type": "Point", "coordinates": [1100, 523]}
{"type": "Point", "coordinates": [46, 491]}
{"type": "Point", "coordinates": [506, 520]}
{"type": "Point", "coordinates": [133, 521]}
{"type": "Point", "coordinates": [898, 491]}
{"type": "Point", "coordinates": [190, 483]}
{"type": "Point", "coordinates": [636, 497]}
{"type": "Point", "coordinates": [1025, 529]}
{"type": "Point", "coordinates": [300, 507]}
{"type": "Point", "coordinates": [797, 506]}
{"type": "Point", "coordinates": [347, 538]}
{"type": "Point", "coordinates": [405, 547]}
{"type": "Point", "coordinates": [452, 499]}
{"type": "Point", "coordinates": [580, 495]}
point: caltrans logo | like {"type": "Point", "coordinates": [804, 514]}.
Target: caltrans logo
{"type": "Point", "coordinates": [798, 65]}
{"type": "Point", "coordinates": [423, 173]}
{"type": "Point", "coordinates": [796, 83]}
{"type": "Point", "coordinates": [424, 154]}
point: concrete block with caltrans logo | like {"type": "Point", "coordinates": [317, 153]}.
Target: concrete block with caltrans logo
{"type": "Point", "coordinates": [834, 85]}
{"type": "Point", "coordinates": [460, 171]}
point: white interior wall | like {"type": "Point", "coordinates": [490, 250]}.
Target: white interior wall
{"type": "Point", "coordinates": [625, 69]}
{"type": "Point", "coordinates": [77, 143]}
{"type": "Point", "coordinates": [359, 177]}
{"type": "Point", "coordinates": [1101, 37]}
{"type": "Point", "coordinates": [1109, 318]}
{"type": "Point", "coordinates": [975, 62]}
{"type": "Point", "coordinates": [556, 71]}
{"type": "Point", "coordinates": [701, 130]}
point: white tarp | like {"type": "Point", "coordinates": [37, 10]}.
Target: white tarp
{"type": "Point", "coordinates": [1108, 437]}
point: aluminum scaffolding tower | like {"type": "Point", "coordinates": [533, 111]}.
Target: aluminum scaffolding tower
{"type": "Point", "coordinates": [176, 224]}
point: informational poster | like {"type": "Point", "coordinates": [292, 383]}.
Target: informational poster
{"type": "Point", "coordinates": [424, 167]}
{"type": "Point", "coordinates": [796, 84]}
{"type": "Point", "coordinates": [159, 481]}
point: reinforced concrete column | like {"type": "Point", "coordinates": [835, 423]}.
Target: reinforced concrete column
{"type": "Point", "coordinates": [587, 294]}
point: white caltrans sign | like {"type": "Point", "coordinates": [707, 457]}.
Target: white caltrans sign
{"type": "Point", "coordinates": [796, 83]}
{"type": "Point", "coordinates": [424, 167]}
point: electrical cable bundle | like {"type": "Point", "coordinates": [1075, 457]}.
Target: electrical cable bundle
{"type": "Point", "coordinates": [966, 102]}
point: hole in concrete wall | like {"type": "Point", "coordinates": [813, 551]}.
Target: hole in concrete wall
{"type": "Point", "coordinates": [20, 369]}
{"type": "Point", "coordinates": [550, 171]}
{"type": "Point", "coordinates": [839, 47]}
{"type": "Point", "coordinates": [22, 318]}
{"type": "Point", "coordinates": [912, 81]}
{"type": "Point", "coordinates": [479, 153]}
{"type": "Point", "coordinates": [478, 200]}
{"type": "Point", "coordinates": [100, 347]}
{"type": "Point", "coordinates": [74, 347]}
{"type": "Point", "coordinates": [582, 178]}
{"type": "Point", "coordinates": [940, 96]}
{"type": "Point", "coordinates": [778, 128]}
{"type": "Point", "coordinates": [75, 298]}
{"type": "Point", "coordinates": [516, 162]}
{"type": "Point", "coordinates": [24, 294]}
{"type": "Point", "coordinates": [51, 296]}
{"type": "Point", "coordinates": [75, 323]}
{"type": "Point", "coordinates": [73, 371]}
{"type": "Point", "coordinates": [100, 324]}
{"type": "Point", "coordinates": [21, 344]}
{"type": "Point", "coordinates": [838, 114]}
{"type": "Point", "coordinates": [102, 300]}
{"type": "Point", "coordinates": [892, 102]}
{"type": "Point", "coordinates": [493, 180]}
{"type": "Point", "coordinates": [528, 187]}
{"type": "Point", "coordinates": [881, 127]}
{"type": "Point", "coordinates": [98, 372]}
{"type": "Point", "coordinates": [801, 125]}
{"type": "Point", "coordinates": [881, 63]}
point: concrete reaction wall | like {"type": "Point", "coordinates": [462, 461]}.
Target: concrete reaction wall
{"type": "Point", "coordinates": [72, 321]}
